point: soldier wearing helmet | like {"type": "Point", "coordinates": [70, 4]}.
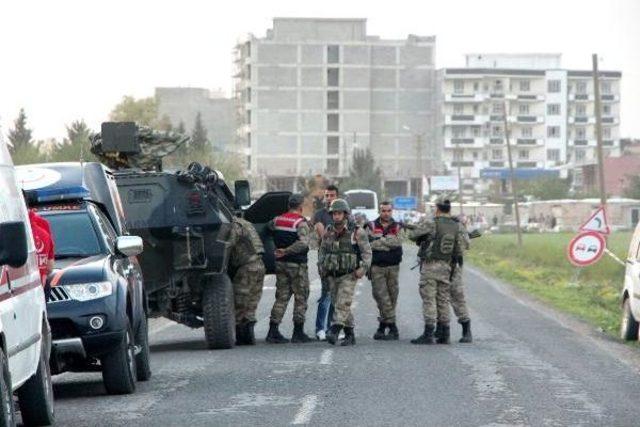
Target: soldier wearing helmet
{"type": "Point", "coordinates": [440, 242]}
{"type": "Point", "coordinates": [344, 257]}
{"type": "Point", "coordinates": [291, 234]}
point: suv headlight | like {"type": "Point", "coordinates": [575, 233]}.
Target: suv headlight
{"type": "Point", "coordinates": [89, 291]}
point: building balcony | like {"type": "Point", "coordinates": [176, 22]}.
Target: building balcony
{"type": "Point", "coordinates": [529, 119]}
{"type": "Point", "coordinates": [581, 142]}
{"type": "Point", "coordinates": [496, 140]}
{"type": "Point", "coordinates": [580, 97]}
{"type": "Point", "coordinates": [526, 165]}
{"type": "Point", "coordinates": [529, 141]}
{"type": "Point", "coordinates": [609, 120]}
{"type": "Point", "coordinates": [530, 98]}
{"type": "Point", "coordinates": [462, 164]}
{"type": "Point", "coordinates": [462, 97]}
{"type": "Point", "coordinates": [464, 119]}
{"type": "Point", "coordinates": [582, 120]}
{"type": "Point", "coordinates": [496, 164]}
{"type": "Point", "coordinates": [609, 98]}
{"type": "Point", "coordinates": [451, 142]}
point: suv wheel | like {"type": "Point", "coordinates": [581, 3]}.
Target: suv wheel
{"type": "Point", "coordinates": [218, 313]}
{"type": "Point", "coordinates": [119, 366]}
{"type": "Point", "coordinates": [628, 325]}
{"type": "Point", "coordinates": [35, 397]}
{"type": "Point", "coordinates": [143, 368]}
{"type": "Point", "coordinates": [7, 414]}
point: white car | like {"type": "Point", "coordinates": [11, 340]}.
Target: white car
{"type": "Point", "coordinates": [25, 337]}
{"type": "Point", "coordinates": [631, 291]}
{"type": "Point", "coordinates": [363, 202]}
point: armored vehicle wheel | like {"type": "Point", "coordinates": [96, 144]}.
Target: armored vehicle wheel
{"type": "Point", "coordinates": [218, 312]}
{"type": "Point", "coordinates": [119, 367]}
{"type": "Point", "coordinates": [143, 371]}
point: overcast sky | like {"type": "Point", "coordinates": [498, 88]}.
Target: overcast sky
{"type": "Point", "coordinates": [64, 60]}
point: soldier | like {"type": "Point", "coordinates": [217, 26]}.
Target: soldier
{"type": "Point", "coordinates": [458, 302]}
{"type": "Point", "coordinates": [344, 257]}
{"type": "Point", "coordinates": [291, 235]}
{"type": "Point", "coordinates": [245, 259]}
{"type": "Point", "coordinates": [440, 240]}
{"type": "Point", "coordinates": [386, 245]}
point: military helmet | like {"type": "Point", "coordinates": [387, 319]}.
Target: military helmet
{"type": "Point", "coordinates": [443, 200]}
{"type": "Point", "coordinates": [295, 200]}
{"type": "Point", "coordinates": [339, 205]}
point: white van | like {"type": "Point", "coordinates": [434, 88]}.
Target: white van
{"type": "Point", "coordinates": [631, 291]}
{"type": "Point", "coordinates": [25, 337]}
{"type": "Point", "coordinates": [363, 202]}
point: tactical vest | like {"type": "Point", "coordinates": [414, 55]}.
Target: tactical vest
{"type": "Point", "coordinates": [392, 256]}
{"type": "Point", "coordinates": [286, 234]}
{"type": "Point", "coordinates": [341, 253]}
{"type": "Point", "coordinates": [443, 245]}
{"type": "Point", "coordinates": [249, 246]}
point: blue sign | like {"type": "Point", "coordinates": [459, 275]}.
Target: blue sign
{"type": "Point", "coordinates": [504, 173]}
{"type": "Point", "coordinates": [405, 203]}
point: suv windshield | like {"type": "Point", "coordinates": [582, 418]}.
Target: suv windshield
{"type": "Point", "coordinates": [73, 234]}
{"type": "Point", "coordinates": [360, 200]}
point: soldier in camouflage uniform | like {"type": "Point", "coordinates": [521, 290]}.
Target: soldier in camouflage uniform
{"type": "Point", "coordinates": [344, 257]}
{"type": "Point", "coordinates": [386, 245]}
{"type": "Point", "coordinates": [458, 302]}
{"type": "Point", "coordinates": [440, 241]}
{"type": "Point", "coordinates": [245, 260]}
{"type": "Point", "coordinates": [291, 236]}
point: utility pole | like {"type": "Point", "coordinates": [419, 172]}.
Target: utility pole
{"type": "Point", "coordinates": [514, 189]}
{"type": "Point", "coordinates": [596, 94]}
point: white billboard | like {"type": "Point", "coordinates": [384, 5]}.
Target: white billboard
{"type": "Point", "coordinates": [444, 183]}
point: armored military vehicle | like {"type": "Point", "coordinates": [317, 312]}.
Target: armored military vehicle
{"type": "Point", "coordinates": [184, 219]}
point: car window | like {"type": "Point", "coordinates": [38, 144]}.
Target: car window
{"type": "Point", "coordinates": [106, 229]}
{"type": "Point", "coordinates": [361, 200]}
{"type": "Point", "coordinates": [73, 234]}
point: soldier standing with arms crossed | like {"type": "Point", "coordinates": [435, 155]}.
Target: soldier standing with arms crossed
{"type": "Point", "coordinates": [440, 241]}
{"type": "Point", "coordinates": [344, 257]}
{"type": "Point", "coordinates": [245, 258]}
{"type": "Point", "coordinates": [386, 246]}
{"type": "Point", "coordinates": [291, 235]}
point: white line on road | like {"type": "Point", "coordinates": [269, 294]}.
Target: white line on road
{"type": "Point", "coordinates": [304, 414]}
{"type": "Point", "coordinates": [326, 358]}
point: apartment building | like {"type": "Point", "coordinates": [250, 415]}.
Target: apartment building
{"type": "Point", "coordinates": [550, 114]}
{"type": "Point", "coordinates": [313, 90]}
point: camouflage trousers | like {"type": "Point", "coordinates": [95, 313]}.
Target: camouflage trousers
{"type": "Point", "coordinates": [342, 290]}
{"type": "Point", "coordinates": [291, 279]}
{"type": "Point", "coordinates": [247, 290]}
{"type": "Point", "coordinates": [458, 302]}
{"type": "Point", "coordinates": [434, 290]}
{"type": "Point", "coordinates": [384, 286]}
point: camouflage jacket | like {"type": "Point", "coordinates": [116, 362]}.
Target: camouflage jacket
{"type": "Point", "coordinates": [246, 245]}
{"type": "Point", "coordinates": [342, 252]}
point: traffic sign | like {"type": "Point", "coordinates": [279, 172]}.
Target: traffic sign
{"type": "Point", "coordinates": [586, 248]}
{"type": "Point", "coordinates": [597, 222]}
{"type": "Point", "coordinates": [405, 203]}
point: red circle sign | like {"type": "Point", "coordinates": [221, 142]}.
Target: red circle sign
{"type": "Point", "coordinates": [586, 248]}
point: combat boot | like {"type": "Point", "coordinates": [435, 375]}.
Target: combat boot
{"type": "Point", "coordinates": [332, 334]}
{"type": "Point", "coordinates": [426, 337]}
{"type": "Point", "coordinates": [250, 333]}
{"type": "Point", "coordinates": [438, 333]}
{"type": "Point", "coordinates": [298, 334]}
{"type": "Point", "coordinates": [443, 338]}
{"type": "Point", "coordinates": [274, 336]}
{"type": "Point", "coordinates": [241, 338]}
{"type": "Point", "coordinates": [349, 337]}
{"type": "Point", "coordinates": [393, 334]}
{"type": "Point", "coordinates": [379, 335]}
{"type": "Point", "coordinates": [466, 332]}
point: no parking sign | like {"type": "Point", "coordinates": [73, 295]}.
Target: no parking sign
{"type": "Point", "coordinates": [586, 248]}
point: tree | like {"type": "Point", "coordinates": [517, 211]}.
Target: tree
{"type": "Point", "coordinates": [632, 189]}
{"type": "Point", "coordinates": [20, 136]}
{"type": "Point", "coordinates": [199, 142]}
{"type": "Point", "coordinates": [363, 172]}
{"type": "Point", "coordinates": [181, 128]}
{"type": "Point", "coordinates": [76, 146]}
{"type": "Point", "coordinates": [143, 111]}
{"type": "Point", "coordinates": [545, 188]}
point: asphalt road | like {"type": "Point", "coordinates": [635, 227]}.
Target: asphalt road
{"type": "Point", "coordinates": [527, 366]}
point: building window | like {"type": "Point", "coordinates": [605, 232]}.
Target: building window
{"type": "Point", "coordinates": [333, 122]}
{"type": "Point", "coordinates": [553, 109]}
{"type": "Point", "coordinates": [458, 131]}
{"type": "Point", "coordinates": [605, 88]}
{"type": "Point", "coordinates": [333, 100]}
{"type": "Point", "coordinates": [496, 154]}
{"type": "Point", "coordinates": [523, 109]}
{"type": "Point", "coordinates": [249, 117]}
{"type": "Point", "coordinates": [249, 162]}
{"type": "Point", "coordinates": [553, 131]}
{"type": "Point", "coordinates": [496, 130]}
{"type": "Point", "coordinates": [497, 86]}
{"type": "Point", "coordinates": [333, 166]}
{"type": "Point", "coordinates": [458, 155]}
{"type": "Point", "coordinates": [606, 110]}
{"type": "Point", "coordinates": [581, 133]}
{"type": "Point", "coordinates": [497, 108]}
{"type": "Point", "coordinates": [333, 145]}
{"type": "Point", "coordinates": [526, 132]}
{"type": "Point", "coordinates": [523, 154]}
{"type": "Point", "coordinates": [475, 109]}
{"type": "Point", "coordinates": [476, 131]}
{"type": "Point", "coordinates": [332, 77]}
{"type": "Point", "coordinates": [553, 155]}
{"type": "Point", "coordinates": [580, 154]}
{"type": "Point", "coordinates": [581, 87]}
{"type": "Point", "coordinates": [458, 109]}
{"type": "Point", "coordinates": [458, 86]}
{"type": "Point", "coordinates": [606, 133]}
{"type": "Point", "coordinates": [475, 155]}
{"type": "Point", "coordinates": [581, 110]}
{"type": "Point", "coordinates": [249, 139]}
{"type": "Point", "coordinates": [333, 54]}
{"type": "Point", "coordinates": [476, 87]}
{"type": "Point", "coordinates": [249, 71]}
{"type": "Point", "coordinates": [553, 86]}
{"type": "Point", "coordinates": [248, 94]}
{"type": "Point", "coordinates": [525, 85]}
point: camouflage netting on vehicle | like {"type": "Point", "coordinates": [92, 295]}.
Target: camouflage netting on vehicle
{"type": "Point", "coordinates": [153, 147]}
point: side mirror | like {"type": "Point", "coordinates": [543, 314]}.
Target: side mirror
{"type": "Point", "coordinates": [129, 245]}
{"type": "Point", "coordinates": [13, 244]}
{"type": "Point", "coordinates": [243, 193]}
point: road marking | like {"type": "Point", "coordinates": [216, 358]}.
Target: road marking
{"type": "Point", "coordinates": [304, 414]}
{"type": "Point", "coordinates": [326, 358]}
